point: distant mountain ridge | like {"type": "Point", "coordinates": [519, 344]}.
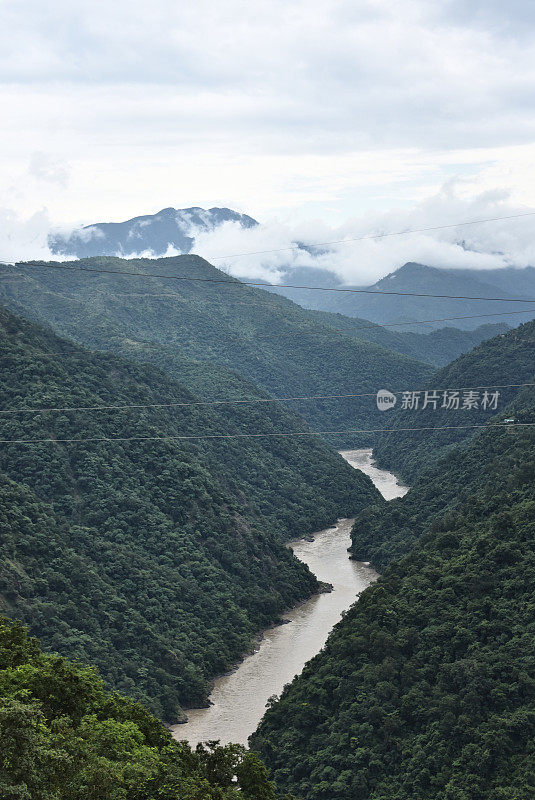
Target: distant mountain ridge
{"type": "Point", "coordinates": [266, 339]}
{"type": "Point", "coordinates": [155, 233]}
{"type": "Point", "coordinates": [438, 347]}
{"type": "Point", "coordinates": [176, 229]}
{"type": "Point", "coordinates": [507, 283]}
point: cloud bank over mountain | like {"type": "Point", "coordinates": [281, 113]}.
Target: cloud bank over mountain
{"type": "Point", "coordinates": [24, 238]}
{"type": "Point", "coordinates": [269, 250]}
{"type": "Point", "coordinates": [488, 245]}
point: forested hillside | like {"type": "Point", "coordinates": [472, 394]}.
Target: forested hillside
{"type": "Point", "coordinates": [63, 736]}
{"type": "Point", "coordinates": [500, 363]}
{"type": "Point", "coordinates": [437, 347]}
{"type": "Point", "coordinates": [266, 339]}
{"type": "Point", "coordinates": [426, 689]}
{"type": "Point", "coordinates": [156, 560]}
{"type": "Point", "coordinates": [468, 474]}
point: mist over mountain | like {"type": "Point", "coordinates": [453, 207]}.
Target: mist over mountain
{"type": "Point", "coordinates": [488, 261]}
{"type": "Point", "coordinates": [170, 229]}
{"type": "Point", "coordinates": [267, 400]}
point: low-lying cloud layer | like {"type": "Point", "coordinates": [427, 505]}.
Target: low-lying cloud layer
{"type": "Point", "coordinates": [481, 246]}
{"type": "Point", "coordinates": [268, 251]}
{"type": "Point", "coordinates": [22, 239]}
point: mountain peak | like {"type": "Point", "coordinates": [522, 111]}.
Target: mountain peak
{"type": "Point", "coordinates": [173, 228]}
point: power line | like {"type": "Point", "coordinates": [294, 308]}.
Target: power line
{"type": "Point", "coordinates": [258, 435]}
{"type": "Point", "coordinates": [345, 330]}
{"type": "Point", "coordinates": [320, 332]}
{"type": "Point", "coordinates": [243, 401]}
{"type": "Point", "coordinates": [373, 325]}
{"type": "Point", "coordinates": [237, 283]}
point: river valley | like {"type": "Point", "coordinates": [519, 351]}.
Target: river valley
{"type": "Point", "coordinates": [239, 698]}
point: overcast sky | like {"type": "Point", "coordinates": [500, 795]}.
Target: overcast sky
{"type": "Point", "coordinates": [289, 111]}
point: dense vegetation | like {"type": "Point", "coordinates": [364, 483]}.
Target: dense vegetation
{"type": "Point", "coordinates": [438, 347]}
{"type": "Point", "coordinates": [157, 561]}
{"type": "Point", "coordinates": [63, 736]}
{"type": "Point", "coordinates": [426, 689]}
{"type": "Point", "coordinates": [505, 359]}
{"type": "Point", "coordinates": [466, 474]}
{"type": "Point", "coordinates": [265, 338]}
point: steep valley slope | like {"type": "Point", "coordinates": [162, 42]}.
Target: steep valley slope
{"type": "Point", "coordinates": [216, 320]}
{"type": "Point", "coordinates": [502, 364]}
{"type": "Point", "coordinates": [155, 557]}
{"type": "Point", "coordinates": [426, 688]}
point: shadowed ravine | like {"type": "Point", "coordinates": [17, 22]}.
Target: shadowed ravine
{"type": "Point", "coordinates": [239, 699]}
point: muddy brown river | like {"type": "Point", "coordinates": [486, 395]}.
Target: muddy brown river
{"type": "Point", "coordinates": [239, 699]}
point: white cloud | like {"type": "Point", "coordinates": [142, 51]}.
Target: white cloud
{"type": "Point", "coordinates": [47, 168]}
{"type": "Point", "coordinates": [481, 246]}
{"type": "Point", "coordinates": [267, 252]}
{"type": "Point", "coordinates": [23, 238]}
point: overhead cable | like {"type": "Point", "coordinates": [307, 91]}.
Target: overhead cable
{"type": "Point", "coordinates": [52, 440]}
{"type": "Point", "coordinates": [236, 283]}
{"type": "Point", "coordinates": [243, 401]}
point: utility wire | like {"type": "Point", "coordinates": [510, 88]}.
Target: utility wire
{"type": "Point", "coordinates": [245, 400]}
{"type": "Point", "coordinates": [259, 435]}
{"type": "Point", "coordinates": [328, 327]}
{"type": "Point", "coordinates": [345, 330]}
{"type": "Point", "coordinates": [237, 283]}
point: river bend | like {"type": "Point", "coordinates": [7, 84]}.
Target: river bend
{"type": "Point", "coordinates": [239, 698]}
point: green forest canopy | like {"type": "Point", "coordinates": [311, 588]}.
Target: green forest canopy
{"type": "Point", "coordinates": [219, 321]}
{"type": "Point", "coordinates": [63, 736]}
{"type": "Point", "coordinates": [426, 689]}
{"type": "Point", "coordinates": [506, 359]}
{"type": "Point", "coordinates": [157, 561]}
{"type": "Point", "coordinates": [438, 347]}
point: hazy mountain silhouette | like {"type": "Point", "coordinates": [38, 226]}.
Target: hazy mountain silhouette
{"type": "Point", "coordinates": [152, 233]}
